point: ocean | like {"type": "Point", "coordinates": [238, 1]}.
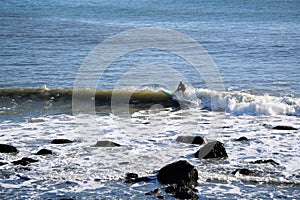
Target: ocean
{"type": "Point", "coordinates": [108, 70]}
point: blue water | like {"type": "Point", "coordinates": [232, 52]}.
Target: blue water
{"type": "Point", "coordinates": [255, 45]}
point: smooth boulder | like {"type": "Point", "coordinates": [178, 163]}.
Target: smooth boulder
{"type": "Point", "coordinates": [5, 148]}
{"type": "Point", "coordinates": [61, 141]}
{"type": "Point", "coordinates": [282, 127]}
{"type": "Point", "coordinates": [192, 139]}
{"type": "Point", "coordinates": [44, 152]}
{"type": "Point", "coordinates": [106, 143]}
{"type": "Point", "coordinates": [243, 138]}
{"type": "Point", "coordinates": [214, 149]}
{"type": "Point", "coordinates": [180, 172]}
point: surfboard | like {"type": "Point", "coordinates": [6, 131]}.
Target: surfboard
{"type": "Point", "coordinates": [167, 92]}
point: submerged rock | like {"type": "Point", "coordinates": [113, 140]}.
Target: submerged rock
{"type": "Point", "coordinates": [243, 138]}
{"type": "Point", "coordinates": [180, 172]}
{"type": "Point", "coordinates": [44, 152]}
{"type": "Point", "coordinates": [281, 127]}
{"type": "Point", "coordinates": [134, 178]}
{"type": "Point", "coordinates": [61, 141]}
{"type": "Point", "coordinates": [131, 176]}
{"type": "Point", "coordinates": [243, 171]}
{"type": "Point", "coordinates": [5, 148]}
{"type": "Point", "coordinates": [192, 139]}
{"type": "Point", "coordinates": [155, 192]}
{"type": "Point", "coordinates": [212, 150]}
{"type": "Point", "coordinates": [24, 161]}
{"type": "Point", "coordinates": [24, 178]}
{"type": "Point", "coordinates": [181, 192]}
{"type": "Point", "coordinates": [106, 143]}
{"type": "Point", "coordinates": [265, 161]}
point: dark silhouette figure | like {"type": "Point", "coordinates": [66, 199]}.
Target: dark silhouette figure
{"type": "Point", "coordinates": [181, 87]}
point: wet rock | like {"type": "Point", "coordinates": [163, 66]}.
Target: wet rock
{"type": "Point", "coordinates": [180, 172]}
{"type": "Point", "coordinates": [2, 163]}
{"type": "Point", "coordinates": [5, 148]}
{"type": "Point", "coordinates": [32, 120]}
{"type": "Point", "coordinates": [134, 178]}
{"type": "Point", "coordinates": [243, 171]}
{"type": "Point", "coordinates": [265, 161]}
{"type": "Point", "coordinates": [106, 143]}
{"type": "Point", "coordinates": [44, 152]}
{"type": "Point", "coordinates": [212, 150]}
{"type": "Point", "coordinates": [25, 178]}
{"type": "Point", "coordinates": [192, 139]}
{"type": "Point", "coordinates": [61, 141]}
{"type": "Point", "coordinates": [131, 176]}
{"type": "Point", "coordinates": [155, 192]}
{"type": "Point", "coordinates": [24, 161]}
{"type": "Point", "coordinates": [243, 138]}
{"type": "Point", "coordinates": [181, 192]}
{"type": "Point", "coordinates": [280, 127]}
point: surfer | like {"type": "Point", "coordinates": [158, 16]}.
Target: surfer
{"type": "Point", "coordinates": [181, 87]}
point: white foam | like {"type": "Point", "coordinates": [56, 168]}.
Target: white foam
{"type": "Point", "coordinates": [241, 103]}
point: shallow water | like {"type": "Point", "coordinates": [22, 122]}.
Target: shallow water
{"type": "Point", "coordinates": [79, 170]}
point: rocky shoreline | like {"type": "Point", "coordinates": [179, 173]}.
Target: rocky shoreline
{"type": "Point", "coordinates": [178, 179]}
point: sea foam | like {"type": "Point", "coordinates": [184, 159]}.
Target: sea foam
{"type": "Point", "coordinates": [242, 103]}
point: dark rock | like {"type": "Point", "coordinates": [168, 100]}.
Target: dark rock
{"type": "Point", "coordinates": [212, 150]}
{"type": "Point", "coordinates": [134, 178]}
{"type": "Point", "coordinates": [156, 192]}
{"type": "Point", "coordinates": [24, 161]}
{"type": "Point", "coordinates": [180, 172]}
{"type": "Point", "coordinates": [61, 141]}
{"type": "Point", "coordinates": [131, 176]}
{"type": "Point", "coordinates": [5, 148]}
{"type": "Point", "coordinates": [243, 171]}
{"type": "Point", "coordinates": [44, 152]}
{"type": "Point", "coordinates": [265, 161]}
{"type": "Point", "coordinates": [106, 143]}
{"type": "Point", "coordinates": [280, 127]}
{"type": "Point", "coordinates": [243, 138]}
{"type": "Point", "coordinates": [192, 139]}
{"type": "Point", "coordinates": [25, 178]}
{"type": "Point", "coordinates": [181, 192]}
{"type": "Point", "coordinates": [2, 163]}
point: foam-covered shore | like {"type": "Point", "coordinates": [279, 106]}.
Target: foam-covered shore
{"type": "Point", "coordinates": [79, 169]}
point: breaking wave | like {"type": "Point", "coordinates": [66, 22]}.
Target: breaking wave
{"type": "Point", "coordinates": [242, 103]}
{"type": "Point", "coordinates": [234, 102]}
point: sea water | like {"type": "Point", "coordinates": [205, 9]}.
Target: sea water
{"type": "Point", "coordinates": [254, 45]}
